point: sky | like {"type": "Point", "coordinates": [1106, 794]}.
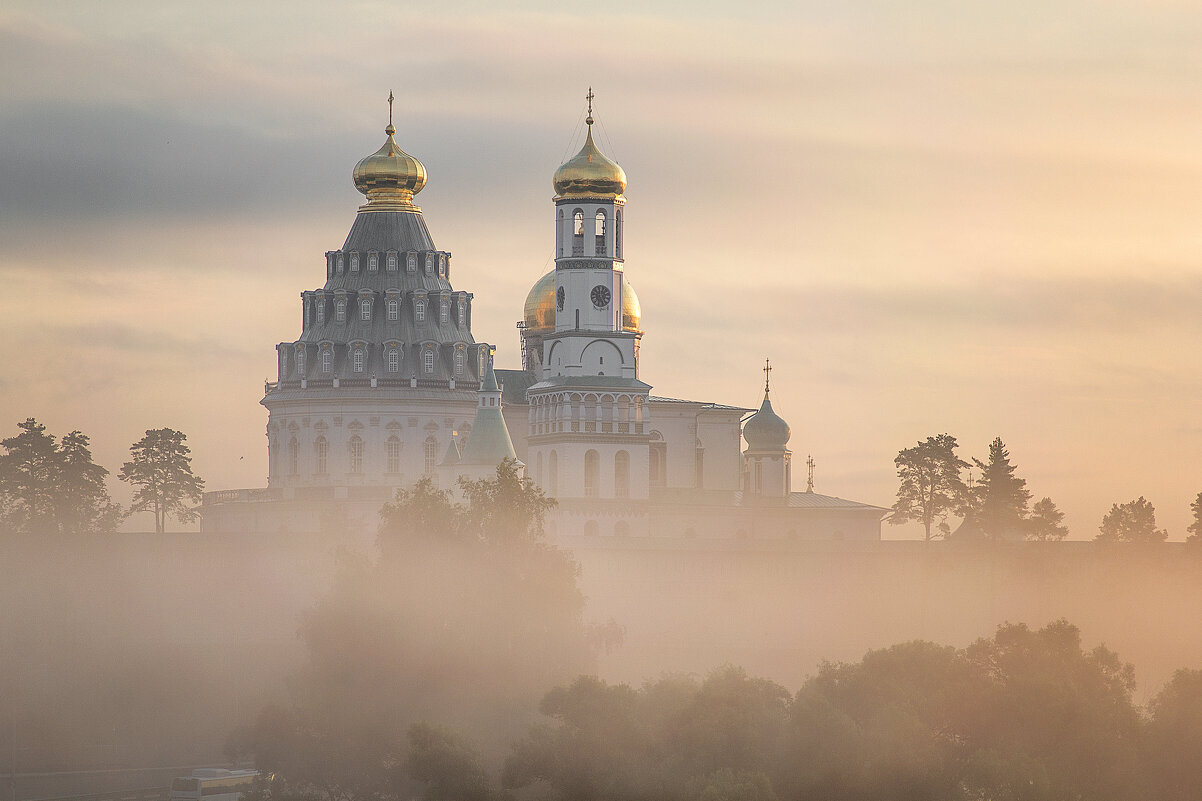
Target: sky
{"type": "Point", "coordinates": [979, 219]}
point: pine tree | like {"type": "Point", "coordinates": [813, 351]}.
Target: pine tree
{"type": "Point", "coordinates": [1045, 524]}
{"type": "Point", "coordinates": [1000, 498]}
{"type": "Point", "coordinates": [930, 485]}
{"type": "Point", "coordinates": [1195, 528]}
{"type": "Point", "coordinates": [161, 471]}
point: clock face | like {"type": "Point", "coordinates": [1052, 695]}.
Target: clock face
{"type": "Point", "coordinates": [559, 298]}
{"type": "Point", "coordinates": [600, 296]}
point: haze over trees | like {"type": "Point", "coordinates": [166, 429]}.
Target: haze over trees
{"type": "Point", "coordinates": [463, 621]}
{"type": "Point", "coordinates": [160, 470]}
{"type": "Point", "coordinates": [1195, 527]}
{"type": "Point", "coordinates": [999, 500]}
{"type": "Point", "coordinates": [1134, 521]}
{"type": "Point", "coordinates": [49, 486]}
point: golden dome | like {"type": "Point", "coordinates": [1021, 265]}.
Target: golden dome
{"type": "Point", "coordinates": [390, 178]}
{"type": "Point", "coordinates": [589, 173]}
{"type": "Point", "coordinates": [540, 307]}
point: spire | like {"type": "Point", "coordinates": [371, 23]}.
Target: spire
{"type": "Point", "coordinates": [489, 443]}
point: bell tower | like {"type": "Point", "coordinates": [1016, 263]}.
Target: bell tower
{"type": "Point", "coordinates": [589, 424]}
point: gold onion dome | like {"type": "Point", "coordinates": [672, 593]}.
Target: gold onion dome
{"type": "Point", "coordinates": [765, 430]}
{"type": "Point", "coordinates": [390, 177]}
{"type": "Point", "coordinates": [590, 172]}
{"type": "Point", "coordinates": [540, 307]}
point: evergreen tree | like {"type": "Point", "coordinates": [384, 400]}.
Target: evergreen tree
{"type": "Point", "coordinates": [1134, 521]}
{"type": "Point", "coordinates": [53, 487]}
{"type": "Point", "coordinates": [1000, 498]}
{"type": "Point", "coordinates": [929, 486]}
{"type": "Point", "coordinates": [1195, 528]}
{"type": "Point", "coordinates": [1045, 524]}
{"type": "Point", "coordinates": [161, 471]}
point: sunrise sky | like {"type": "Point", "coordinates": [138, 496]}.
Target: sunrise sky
{"type": "Point", "coordinates": [932, 216]}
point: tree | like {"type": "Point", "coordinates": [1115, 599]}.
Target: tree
{"type": "Point", "coordinates": [53, 487]}
{"type": "Point", "coordinates": [160, 469]}
{"type": "Point", "coordinates": [1195, 528]}
{"type": "Point", "coordinates": [930, 485]}
{"type": "Point", "coordinates": [1000, 498]}
{"type": "Point", "coordinates": [1134, 521]}
{"type": "Point", "coordinates": [465, 618]}
{"type": "Point", "coordinates": [1045, 523]}
{"type": "Point", "coordinates": [1173, 747]}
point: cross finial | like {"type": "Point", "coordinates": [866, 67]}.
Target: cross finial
{"type": "Point", "coordinates": [767, 370]}
{"type": "Point", "coordinates": [589, 98]}
{"type": "Point", "coordinates": [810, 478]}
{"type": "Point", "coordinates": [390, 130]}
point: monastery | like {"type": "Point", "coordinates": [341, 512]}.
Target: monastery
{"type": "Point", "coordinates": [386, 384]}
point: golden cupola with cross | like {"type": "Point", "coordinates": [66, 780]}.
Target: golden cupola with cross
{"type": "Point", "coordinates": [390, 177]}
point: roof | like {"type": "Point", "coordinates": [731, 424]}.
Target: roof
{"type": "Point", "coordinates": [812, 500]}
{"type": "Point", "coordinates": [514, 384]}
{"type": "Point", "coordinates": [389, 230]}
{"type": "Point", "coordinates": [591, 382]}
{"type": "Point", "coordinates": [489, 443]}
{"type": "Point", "coordinates": [705, 404]}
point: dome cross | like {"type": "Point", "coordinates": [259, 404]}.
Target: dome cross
{"type": "Point", "coordinates": [589, 98]}
{"type": "Point", "coordinates": [767, 370]}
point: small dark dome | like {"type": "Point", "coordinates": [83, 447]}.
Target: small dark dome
{"type": "Point", "coordinates": [765, 430]}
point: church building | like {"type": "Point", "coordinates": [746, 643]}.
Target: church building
{"type": "Point", "coordinates": [386, 384]}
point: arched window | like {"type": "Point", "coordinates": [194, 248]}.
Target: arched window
{"type": "Point", "coordinates": [429, 263]}
{"type": "Point", "coordinates": [428, 360]}
{"type": "Point", "coordinates": [442, 264]}
{"type": "Point", "coordinates": [578, 233]}
{"type": "Point", "coordinates": [327, 360]}
{"type": "Point", "coordinates": [358, 359]}
{"type": "Point", "coordinates": [300, 362]}
{"type": "Point", "coordinates": [392, 261]}
{"type": "Point", "coordinates": [321, 452]}
{"type": "Point", "coordinates": [354, 261]}
{"type": "Point", "coordinates": [365, 308]}
{"type": "Point", "coordinates": [394, 309]}
{"type": "Point", "coordinates": [293, 457]}
{"type": "Point", "coordinates": [444, 311]}
{"type": "Point", "coordinates": [430, 451]}
{"type": "Point", "coordinates": [411, 262]}
{"type": "Point", "coordinates": [622, 474]}
{"type": "Point", "coordinates": [658, 464]}
{"type": "Point", "coordinates": [356, 449]}
{"type": "Point", "coordinates": [340, 262]}
{"type": "Point", "coordinates": [394, 454]}
{"type": "Point", "coordinates": [459, 361]}
{"type": "Point", "coordinates": [538, 469]}
{"type": "Point", "coordinates": [618, 233]}
{"type": "Point", "coordinates": [340, 310]}
{"type": "Point", "coordinates": [394, 360]}
{"type": "Point", "coordinates": [419, 311]}
{"type": "Point", "coordinates": [283, 363]}
{"type": "Point", "coordinates": [590, 528]}
{"type": "Point", "coordinates": [553, 475]}
{"type": "Point", "coordinates": [462, 312]}
{"type": "Point", "coordinates": [599, 228]}
{"type": "Point", "coordinates": [321, 310]}
{"type": "Point", "coordinates": [592, 474]}
{"type": "Point", "coordinates": [373, 261]}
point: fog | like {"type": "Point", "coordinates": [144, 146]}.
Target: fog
{"type": "Point", "coordinates": [137, 651]}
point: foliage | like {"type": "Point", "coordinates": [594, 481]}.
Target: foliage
{"type": "Point", "coordinates": [1195, 528]}
{"type": "Point", "coordinates": [50, 487]}
{"type": "Point", "coordinates": [1134, 521]}
{"type": "Point", "coordinates": [1046, 522]}
{"type": "Point", "coordinates": [1021, 715]}
{"type": "Point", "coordinates": [160, 469]}
{"type": "Point", "coordinates": [464, 620]}
{"type": "Point", "coordinates": [1000, 498]}
{"type": "Point", "coordinates": [449, 766]}
{"type": "Point", "coordinates": [930, 486]}
{"type": "Point", "coordinates": [1173, 748]}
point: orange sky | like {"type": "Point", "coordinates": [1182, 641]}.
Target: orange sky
{"type": "Point", "coordinates": [936, 218]}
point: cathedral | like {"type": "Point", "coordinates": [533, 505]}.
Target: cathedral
{"type": "Point", "coordinates": [386, 384]}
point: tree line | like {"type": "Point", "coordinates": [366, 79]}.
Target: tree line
{"type": "Point", "coordinates": [52, 486]}
{"type": "Point", "coordinates": [996, 505]}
